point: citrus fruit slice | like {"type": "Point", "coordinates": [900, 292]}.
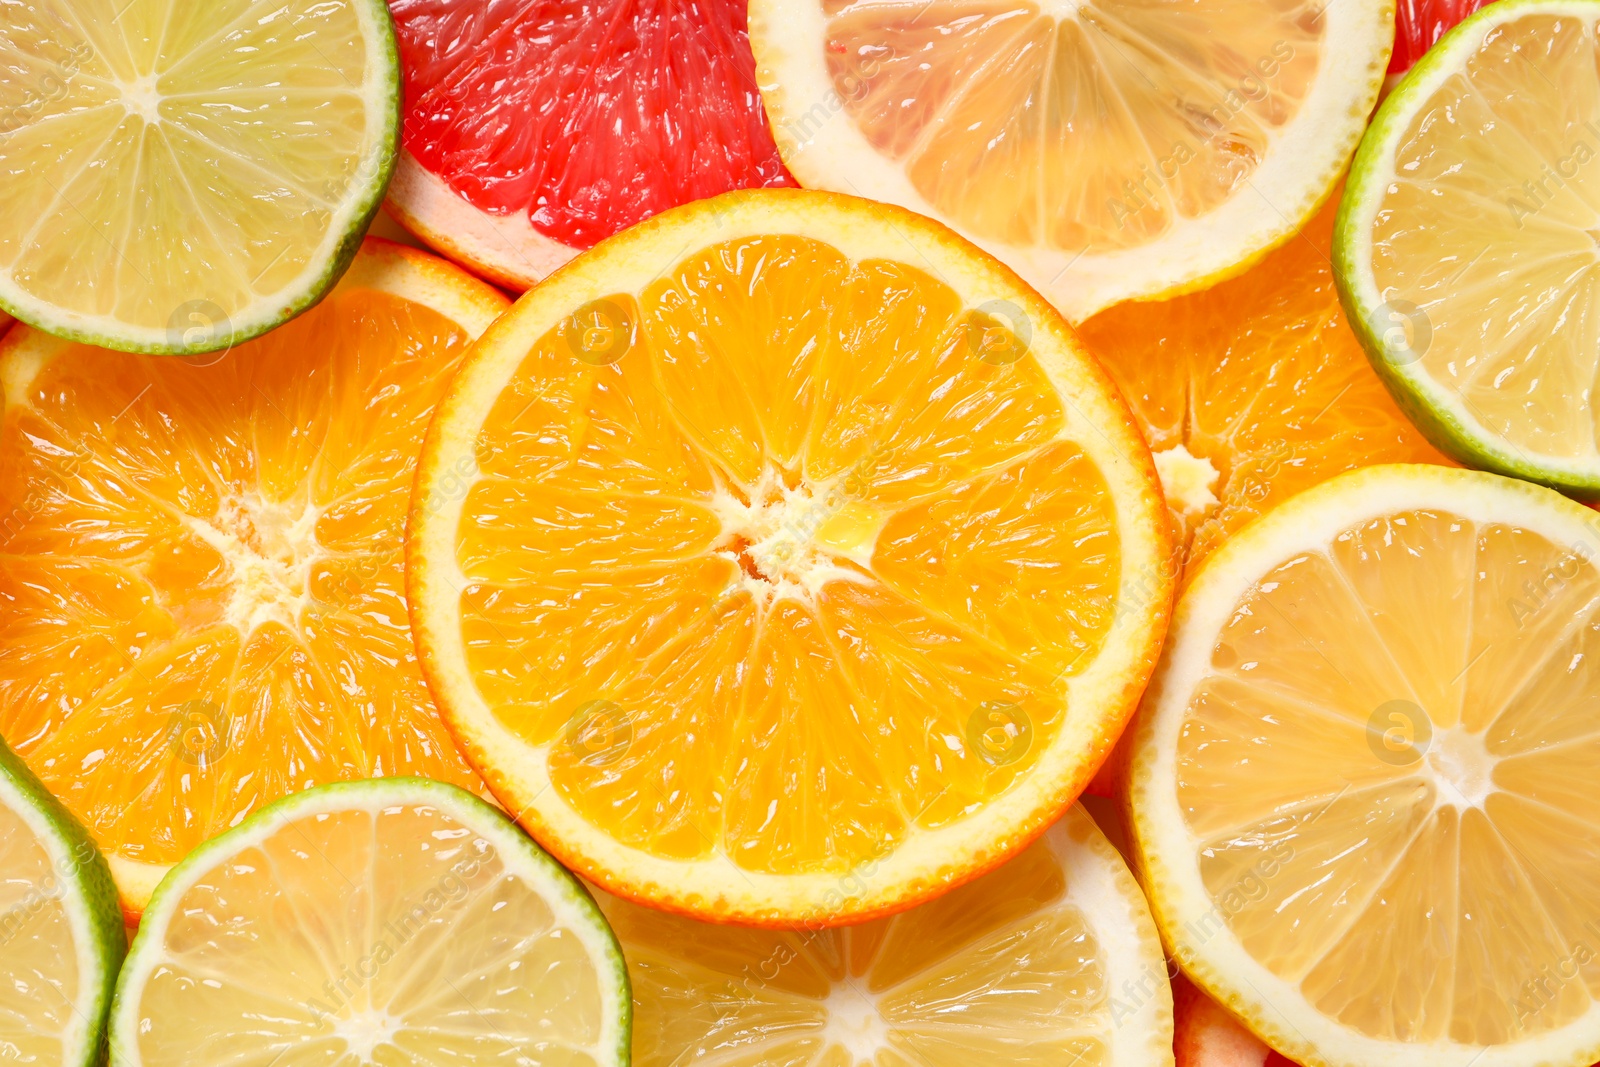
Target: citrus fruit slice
{"type": "Point", "coordinates": [1418, 25]}
{"type": "Point", "coordinates": [1051, 959]}
{"type": "Point", "coordinates": [61, 937]}
{"type": "Point", "coordinates": [1468, 282]}
{"type": "Point", "coordinates": [201, 567]}
{"type": "Point", "coordinates": [784, 534]}
{"type": "Point", "coordinates": [389, 921]}
{"type": "Point", "coordinates": [1105, 151]}
{"type": "Point", "coordinates": [534, 130]}
{"type": "Point", "coordinates": [1252, 390]}
{"type": "Point", "coordinates": [1362, 781]}
{"type": "Point", "coordinates": [181, 177]}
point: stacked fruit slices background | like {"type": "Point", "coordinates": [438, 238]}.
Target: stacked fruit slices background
{"type": "Point", "coordinates": [960, 548]}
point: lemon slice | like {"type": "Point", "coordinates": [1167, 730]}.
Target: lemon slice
{"type": "Point", "coordinates": [183, 176]}
{"type": "Point", "coordinates": [1466, 248]}
{"type": "Point", "coordinates": [1049, 960]}
{"type": "Point", "coordinates": [1362, 782]}
{"type": "Point", "coordinates": [393, 921]}
{"type": "Point", "coordinates": [1105, 150]}
{"type": "Point", "coordinates": [61, 936]}
{"type": "Point", "coordinates": [782, 534]}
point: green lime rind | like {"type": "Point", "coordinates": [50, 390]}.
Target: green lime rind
{"type": "Point", "coordinates": [312, 289]}
{"type": "Point", "coordinates": [554, 880]}
{"type": "Point", "coordinates": [89, 893]}
{"type": "Point", "coordinates": [1424, 400]}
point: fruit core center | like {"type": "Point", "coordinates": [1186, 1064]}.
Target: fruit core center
{"type": "Point", "coordinates": [141, 98]}
{"type": "Point", "coordinates": [789, 537]}
{"type": "Point", "coordinates": [365, 1030]}
{"type": "Point", "coordinates": [855, 1024]}
{"type": "Point", "coordinates": [1463, 769]}
{"type": "Point", "coordinates": [1189, 481]}
{"type": "Point", "coordinates": [1060, 10]}
{"type": "Point", "coordinates": [269, 546]}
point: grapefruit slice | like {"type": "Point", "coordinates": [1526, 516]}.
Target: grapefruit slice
{"type": "Point", "coordinates": [183, 176]}
{"type": "Point", "coordinates": [398, 922]}
{"type": "Point", "coordinates": [1363, 779]}
{"type": "Point", "coordinates": [1107, 150]}
{"type": "Point", "coordinates": [1051, 959]}
{"type": "Point", "coordinates": [201, 571]}
{"type": "Point", "coordinates": [1253, 390]}
{"type": "Point", "coordinates": [533, 130]}
{"type": "Point", "coordinates": [782, 536]}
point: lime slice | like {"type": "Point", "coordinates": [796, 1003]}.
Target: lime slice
{"type": "Point", "coordinates": [61, 936]}
{"type": "Point", "coordinates": [393, 921]}
{"type": "Point", "coordinates": [1467, 242]}
{"type": "Point", "coordinates": [183, 176]}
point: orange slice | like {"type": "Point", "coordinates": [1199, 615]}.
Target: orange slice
{"type": "Point", "coordinates": [782, 537]}
{"type": "Point", "coordinates": [1050, 959]}
{"type": "Point", "coordinates": [201, 588]}
{"type": "Point", "coordinates": [1253, 390]}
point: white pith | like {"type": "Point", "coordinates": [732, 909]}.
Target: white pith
{"type": "Point", "coordinates": [1189, 481]}
{"type": "Point", "coordinates": [506, 249]}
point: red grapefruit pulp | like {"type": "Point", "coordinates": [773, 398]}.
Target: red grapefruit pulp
{"type": "Point", "coordinates": [1418, 25]}
{"type": "Point", "coordinates": [561, 122]}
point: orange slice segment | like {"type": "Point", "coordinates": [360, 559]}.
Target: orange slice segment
{"type": "Point", "coordinates": [786, 536]}
{"type": "Point", "coordinates": [1253, 390]}
{"type": "Point", "coordinates": [201, 566]}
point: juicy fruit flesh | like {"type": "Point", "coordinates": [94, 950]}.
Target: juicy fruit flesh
{"type": "Point", "coordinates": [201, 576]}
{"type": "Point", "coordinates": [38, 954]}
{"type": "Point", "coordinates": [1418, 25]}
{"type": "Point", "coordinates": [1100, 126]}
{"type": "Point", "coordinates": [216, 121]}
{"type": "Point", "coordinates": [1388, 770]}
{"type": "Point", "coordinates": [1008, 956]}
{"type": "Point", "coordinates": [358, 937]}
{"type": "Point", "coordinates": [588, 115]}
{"type": "Point", "coordinates": [1253, 390]}
{"type": "Point", "coordinates": [1485, 239]}
{"type": "Point", "coordinates": [808, 574]}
